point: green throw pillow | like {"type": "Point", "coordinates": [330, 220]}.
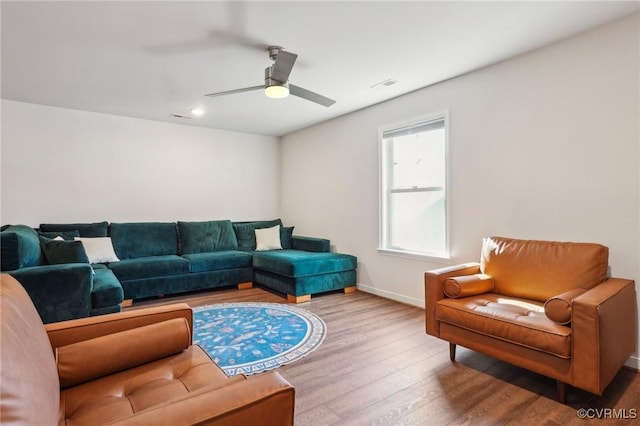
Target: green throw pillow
{"type": "Point", "coordinates": [285, 236]}
{"type": "Point", "coordinates": [60, 251]}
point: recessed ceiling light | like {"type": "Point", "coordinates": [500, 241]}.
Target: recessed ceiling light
{"type": "Point", "coordinates": [197, 112]}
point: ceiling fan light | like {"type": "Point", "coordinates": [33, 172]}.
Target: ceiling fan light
{"type": "Point", "coordinates": [276, 91]}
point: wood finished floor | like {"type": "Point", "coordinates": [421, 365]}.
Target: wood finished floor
{"type": "Point", "coordinates": [377, 366]}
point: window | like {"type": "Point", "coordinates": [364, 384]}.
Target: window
{"type": "Point", "coordinates": [413, 188]}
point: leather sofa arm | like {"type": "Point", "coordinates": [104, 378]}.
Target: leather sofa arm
{"type": "Point", "coordinates": [434, 289]}
{"type": "Point", "coordinates": [59, 292]}
{"type": "Point", "coordinates": [310, 244]}
{"type": "Point", "coordinates": [78, 330]}
{"type": "Point", "coordinates": [263, 400]}
{"type": "Point", "coordinates": [603, 332]}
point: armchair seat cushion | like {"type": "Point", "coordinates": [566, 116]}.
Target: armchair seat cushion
{"type": "Point", "coordinates": [296, 263]}
{"type": "Point", "coordinates": [519, 321]}
{"type": "Point", "coordinates": [215, 261]}
{"type": "Point", "coordinates": [153, 266]}
{"type": "Point", "coordinates": [121, 395]}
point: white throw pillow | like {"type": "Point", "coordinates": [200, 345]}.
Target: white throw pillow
{"type": "Point", "coordinates": [268, 239]}
{"type": "Point", "coordinates": [99, 250]}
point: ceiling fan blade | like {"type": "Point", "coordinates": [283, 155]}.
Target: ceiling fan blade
{"type": "Point", "coordinates": [283, 66]}
{"type": "Point", "coordinates": [231, 92]}
{"type": "Point", "coordinates": [310, 96]}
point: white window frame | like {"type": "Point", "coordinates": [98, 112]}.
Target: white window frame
{"type": "Point", "coordinates": [383, 219]}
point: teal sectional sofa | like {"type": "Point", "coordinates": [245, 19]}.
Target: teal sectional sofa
{"type": "Point", "coordinates": [163, 258]}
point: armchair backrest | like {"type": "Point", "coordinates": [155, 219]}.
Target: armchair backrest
{"type": "Point", "coordinates": [29, 384]}
{"type": "Point", "coordinates": [538, 270]}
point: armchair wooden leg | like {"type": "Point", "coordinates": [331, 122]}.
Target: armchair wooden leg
{"type": "Point", "coordinates": [562, 392]}
{"type": "Point", "coordinates": [452, 352]}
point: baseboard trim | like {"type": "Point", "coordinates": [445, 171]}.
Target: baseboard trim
{"type": "Point", "coordinates": [391, 295]}
{"type": "Point", "coordinates": [633, 362]}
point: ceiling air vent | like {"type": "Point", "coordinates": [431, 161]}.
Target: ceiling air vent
{"type": "Point", "coordinates": [180, 116]}
{"type": "Point", "coordinates": [386, 83]}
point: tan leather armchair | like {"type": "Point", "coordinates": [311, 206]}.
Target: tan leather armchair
{"type": "Point", "coordinates": [130, 368]}
{"type": "Point", "coordinates": [545, 306]}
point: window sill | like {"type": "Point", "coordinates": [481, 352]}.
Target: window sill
{"type": "Point", "coordinates": [415, 256]}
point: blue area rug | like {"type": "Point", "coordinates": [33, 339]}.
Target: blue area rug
{"type": "Point", "coordinates": [248, 338]}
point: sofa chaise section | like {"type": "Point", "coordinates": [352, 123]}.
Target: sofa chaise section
{"type": "Point", "coordinates": [300, 274]}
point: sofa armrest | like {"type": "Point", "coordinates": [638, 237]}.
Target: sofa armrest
{"type": "Point", "coordinates": [87, 360]}
{"type": "Point", "coordinates": [604, 332]}
{"type": "Point", "coordinates": [434, 290]}
{"type": "Point", "coordinates": [59, 292]}
{"type": "Point", "coordinates": [310, 244]}
{"type": "Point", "coordinates": [263, 400]}
{"type": "Point", "coordinates": [74, 331]}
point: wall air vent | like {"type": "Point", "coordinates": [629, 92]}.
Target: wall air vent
{"type": "Point", "coordinates": [186, 117]}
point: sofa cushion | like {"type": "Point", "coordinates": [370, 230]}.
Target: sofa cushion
{"type": "Point", "coordinates": [96, 229]}
{"type": "Point", "coordinates": [61, 251]}
{"type": "Point", "coordinates": [19, 248]}
{"type": "Point", "coordinates": [215, 261]}
{"type": "Point", "coordinates": [558, 308]}
{"type": "Point", "coordinates": [148, 267]}
{"type": "Point", "coordinates": [296, 263]}
{"type": "Point", "coordinates": [93, 358]}
{"type": "Point", "coordinates": [202, 237]}
{"type": "Point", "coordinates": [538, 270]}
{"type": "Point", "coordinates": [518, 321]}
{"type": "Point", "coordinates": [131, 240]}
{"type": "Point", "coordinates": [107, 290]}
{"type": "Point", "coordinates": [246, 232]}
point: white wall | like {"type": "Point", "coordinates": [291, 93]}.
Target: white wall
{"type": "Point", "coordinates": [543, 146]}
{"type": "Point", "coordinates": [62, 165]}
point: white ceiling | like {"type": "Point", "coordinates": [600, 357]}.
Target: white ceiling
{"type": "Point", "coordinates": [150, 59]}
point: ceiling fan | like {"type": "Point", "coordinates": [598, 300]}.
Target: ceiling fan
{"type": "Point", "coordinates": [276, 80]}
